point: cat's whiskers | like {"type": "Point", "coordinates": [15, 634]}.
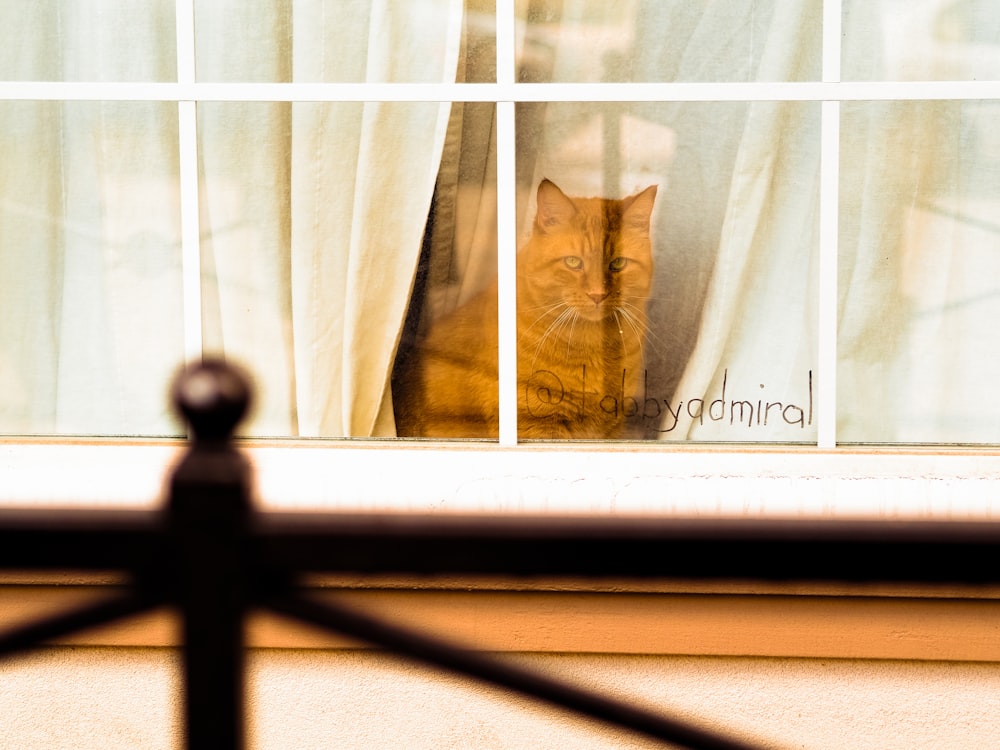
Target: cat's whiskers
{"type": "Point", "coordinates": [645, 335]}
{"type": "Point", "coordinates": [567, 316]}
{"type": "Point", "coordinates": [569, 338]}
{"type": "Point", "coordinates": [632, 317]}
{"type": "Point", "coordinates": [619, 313]}
{"type": "Point", "coordinates": [547, 310]}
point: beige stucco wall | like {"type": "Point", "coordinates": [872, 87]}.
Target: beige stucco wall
{"type": "Point", "coordinates": [108, 698]}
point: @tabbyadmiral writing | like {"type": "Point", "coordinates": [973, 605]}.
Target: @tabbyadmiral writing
{"type": "Point", "coordinates": [547, 395]}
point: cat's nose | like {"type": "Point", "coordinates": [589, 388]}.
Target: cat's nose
{"type": "Point", "coordinates": [598, 297]}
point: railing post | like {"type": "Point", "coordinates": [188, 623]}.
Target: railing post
{"type": "Point", "coordinates": [208, 509]}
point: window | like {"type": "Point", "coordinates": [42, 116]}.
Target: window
{"type": "Point", "coordinates": [276, 220]}
{"type": "Point", "coordinates": [918, 179]}
{"type": "Point", "coordinates": [308, 189]}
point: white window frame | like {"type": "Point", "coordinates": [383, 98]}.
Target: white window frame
{"type": "Point", "coordinates": [648, 478]}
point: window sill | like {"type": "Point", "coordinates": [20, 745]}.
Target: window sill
{"type": "Point", "coordinates": [625, 478]}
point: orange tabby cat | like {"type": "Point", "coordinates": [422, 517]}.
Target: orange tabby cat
{"type": "Point", "coordinates": [583, 280]}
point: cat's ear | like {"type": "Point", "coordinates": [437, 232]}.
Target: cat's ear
{"type": "Point", "coordinates": [554, 208]}
{"type": "Point", "coordinates": [637, 209]}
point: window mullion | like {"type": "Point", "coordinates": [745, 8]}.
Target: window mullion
{"type": "Point", "coordinates": [829, 230]}
{"type": "Point", "coordinates": [187, 123]}
{"type": "Point", "coordinates": [506, 227]}
{"type": "Point", "coordinates": [506, 269]}
{"type": "Point", "coordinates": [505, 40]}
{"type": "Point", "coordinates": [828, 255]}
{"type": "Point", "coordinates": [832, 25]}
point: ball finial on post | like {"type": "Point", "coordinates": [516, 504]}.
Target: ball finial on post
{"type": "Point", "coordinates": [208, 515]}
{"type": "Point", "coordinates": [212, 396]}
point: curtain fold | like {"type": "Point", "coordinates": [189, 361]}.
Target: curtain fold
{"type": "Point", "coordinates": [89, 272]}
{"type": "Point", "coordinates": [353, 266]}
{"type": "Point", "coordinates": [311, 214]}
{"type": "Point", "coordinates": [335, 207]}
{"type": "Point", "coordinates": [363, 179]}
{"type": "Point", "coordinates": [89, 267]}
{"type": "Point", "coordinates": [757, 340]}
{"type": "Point", "coordinates": [918, 353]}
{"type": "Point", "coordinates": [735, 228]}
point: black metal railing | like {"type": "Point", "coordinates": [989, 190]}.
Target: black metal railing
{"type": "Point", "coordinates": [210, 556]}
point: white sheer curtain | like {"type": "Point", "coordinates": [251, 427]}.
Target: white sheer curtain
{"type": "Point", "coordinates": [918, 353]}
{"type": "Point", "coordinates": [315, 305]}
{"type": "Point", "coordinates": [89, 264]}
{"type": "Point", "coordinates": [312, 214]}
{"type": "Point", "coordinates": [733, 316]}
{"type": "Point", "coordinates": [757, 342]}
{"type": "Point", "coordinates": [919, 348]}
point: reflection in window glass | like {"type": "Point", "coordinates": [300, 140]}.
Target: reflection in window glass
{"type": "Point", "coordinates": [919, 347]}
{"type": "Point", "coordinates": [729, 352]}
{"type": "Point", "coordinates": [668, 40]}
{"type": "Point", "coordinates": [940, 40]}
{"type": "Point", "coordinates": [101, 40]}
{"type": "Point", "coordinates": [722, 219]}
{"type": "Point", "coordinates": [330, 41]}
{"type": "Point", "coordinates": [91, 328]}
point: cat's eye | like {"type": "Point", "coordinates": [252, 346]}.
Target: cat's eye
{"type": "Point", "coordinates": [617, 264]}
{"type": "Point", "coordinates": [573, 262]}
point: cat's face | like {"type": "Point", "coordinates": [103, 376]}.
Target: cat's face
{"type": "Point", "coordinates": [589, 259]}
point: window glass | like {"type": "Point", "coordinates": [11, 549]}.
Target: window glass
{"type": "Point", "coordinates": [668, 40]}
{"type": "Point", "coordinates": [312, 215]}
{"type": "Point", "coordinates": [919, 346]}
{"type": "Point", "coordinates": [918, 196]}
{"type": "Point", "coordinates": [91, 327]}
{"type": "Point", "coordinates": [651, 214]}
{"type": "Point", "coordinates": [315, 224]}
{"type": "Point", "coordinates": [329, 41]}
{"type": "Point", "coordinates": [724, 287]}
{"type": "Point", "coordinates": [445, 382]}
{"type": "Point", "coordinates": [340, 242]}
{"type": "Point", "coordinates": [719, 215]}
{"type": "Point", "coordinates": [941, 40]}
{"type": "Point", "coordinates": [88, 40]}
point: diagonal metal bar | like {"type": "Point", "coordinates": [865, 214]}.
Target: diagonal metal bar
{"type": "Point", "coordinates": [91, 615]}
{"type": "Point", "coordinates": [442, 654]}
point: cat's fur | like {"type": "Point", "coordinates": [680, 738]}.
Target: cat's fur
{"type": "Point", "coordinates": [583, 281]}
